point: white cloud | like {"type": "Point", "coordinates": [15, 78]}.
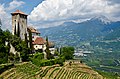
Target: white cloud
{"type": "Point", "coordinates": [5, 13]}
{"type": "Point", "coordinates": [2, 10]}
{"type": "Point", "coordinates": [4, 17]}
{"type": "Point", "coordinates": [14, 4]}
{"type": "Point", "coordinates": [55, 10]}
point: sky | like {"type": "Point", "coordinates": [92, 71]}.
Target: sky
{"type": "Point", "coordinates": [49, 13]}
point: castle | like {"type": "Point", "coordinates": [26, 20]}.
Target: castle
{"type": "Point", "coordinates": [19, 24]}
{"type": "Point", "coordinates": [21, 29]}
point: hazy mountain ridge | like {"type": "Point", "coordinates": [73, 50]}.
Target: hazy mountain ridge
{"type": "Point", "coordinates": [95, 29]}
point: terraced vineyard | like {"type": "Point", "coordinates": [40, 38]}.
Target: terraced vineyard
{"type": "Point", "coordinates": [31, 71]}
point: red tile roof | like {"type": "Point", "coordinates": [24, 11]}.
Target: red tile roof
{"type": "Point", "coordinates": [19, 12]}
{"type": "Point", "coordinates": [39, 41]}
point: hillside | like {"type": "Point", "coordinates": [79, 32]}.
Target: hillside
{"type": "Point", "coordinates": [98, 35]}
{"type": "Point", "coordinates": [72, 34]}
{"type": "Point", "coordinates": [30, 71]}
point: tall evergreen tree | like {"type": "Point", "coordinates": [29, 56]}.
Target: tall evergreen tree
{"type": "Point", "coordinates": [49, 55]}
{"type": "Point", "coordinates": [30, 40]}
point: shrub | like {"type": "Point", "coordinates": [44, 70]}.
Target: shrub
{"type": "Point", "coordinates": [44, 62]}
{"type": "Point", "coordinates": [60, 61]}
{"type": "Point", "coordinates": [38, 56]}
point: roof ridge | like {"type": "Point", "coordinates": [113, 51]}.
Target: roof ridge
{"type": "Point", "coordinates": [18, 12]}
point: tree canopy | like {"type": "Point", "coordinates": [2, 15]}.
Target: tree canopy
{"type": "Point", "coordinates": [67, 52]}
{"type": "Point", "coordinates": [20, 46]}
{"type": "Point", "coordinates": [4, 50]}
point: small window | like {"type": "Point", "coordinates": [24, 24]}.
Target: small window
{"type": "Point", "coordinates": [42, 46]}
{"type": "Point", "coordinates": [23, 21]}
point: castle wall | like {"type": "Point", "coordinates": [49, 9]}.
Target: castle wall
{"type": "Point", "coordinates": [19, 25]}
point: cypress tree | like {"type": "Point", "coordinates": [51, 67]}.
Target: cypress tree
{"type": "Point", "coordinates": [49, 55]}
{"type": "Point", "coordinates": [30, 40]}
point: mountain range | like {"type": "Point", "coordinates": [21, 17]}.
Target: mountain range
{"type": "Point", "coordinates": [94, 29]}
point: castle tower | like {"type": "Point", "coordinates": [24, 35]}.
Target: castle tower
{"type": "Point", "coordinates": [19, 24]}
